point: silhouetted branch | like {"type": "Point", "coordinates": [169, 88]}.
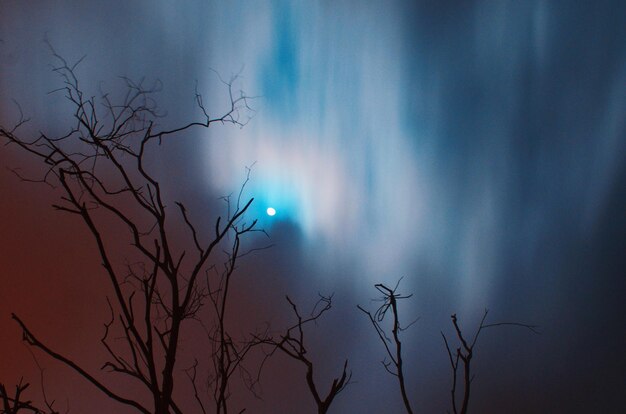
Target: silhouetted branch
{"type": "Point", "coordinates": [393, 347]}
{"type": "Point", "coordinates": [49, 404]}
{"type": "Point", "coordinates": [15, 403]}
{"type": "Point", "coordinates": [292, 343]}
{"type": "Point", "coordinates": [464, 354]}
{"type": "Point", "coordinates": [228, 354]}
{"type": "Point", "coordinates": [99, 166]}
{"type": "Point", "coordinates": [30, 339]}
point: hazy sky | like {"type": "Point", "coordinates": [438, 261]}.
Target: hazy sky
{"type": "Point", "coordinates": [474, 148]}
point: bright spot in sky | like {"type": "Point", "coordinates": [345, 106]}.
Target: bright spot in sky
{"type": "Point", "coordinates": [271, 211]}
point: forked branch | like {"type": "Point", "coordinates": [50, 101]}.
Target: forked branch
{"type": "Point", "coordinates": [463, 355]}
{"type": "Point", "coordinates": [100, 168]}
{"type": "Point", "coordinates": [393, 347]}
{"type": "Point", "coordinates": [293, 344]}
{"type": "Point", "coordinates": [16, 403]}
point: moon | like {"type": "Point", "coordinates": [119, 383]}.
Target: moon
{"type": "Point", "coordinates": [271, 211]}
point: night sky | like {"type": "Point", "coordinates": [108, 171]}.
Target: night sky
{"type": "Point", "coordinates": [474, 149]}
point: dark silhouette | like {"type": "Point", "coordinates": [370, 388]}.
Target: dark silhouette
{"type": "Point", "coordinates": [393, 345]}
{"type": "Point", "coordinates": [395, 367]}
{"type": "Point", "coordinates": [16, 403]}
{"type": "Point", "coordinates": [100, 169]}
{"type": "Point", "coordinates": [464, 354]}
{"type": "Point", "coordinates": [292, 343]}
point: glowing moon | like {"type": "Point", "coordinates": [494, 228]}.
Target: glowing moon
{"type": "Point", "coordinates": [271, 211]}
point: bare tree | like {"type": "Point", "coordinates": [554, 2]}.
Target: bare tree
{"type": "Point", "coordinates": [161, 285]}
{"type": "Point", "coordinates": [15, 403]}
{"type": "Point", "coordinates": [100, 167]}
{"type": "Point", "coordinates": [464, 354]}
{"type": "Point", "coordinates": [227, 353]}
{"type": "Point", "coordinates": [293, 344]}
{"type": "Point", "coordinates": [393, 347]}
